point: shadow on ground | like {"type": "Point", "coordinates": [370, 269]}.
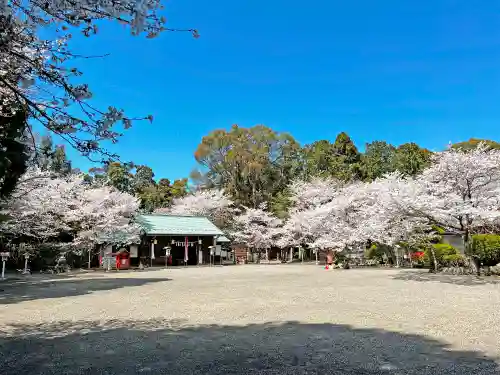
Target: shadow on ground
{"type": "Point", "coordinates": [171, 347]}
{"type": "Point", "coordinates": [66, 287]}
{"type": "Point", "coordinates": [426, 276]}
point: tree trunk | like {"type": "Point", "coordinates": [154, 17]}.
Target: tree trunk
{"type": "Point", "coordinates": [475, 266]}
{"type": "Point", "coordinates": [434, 260]}
{"type": "Point", "coordinates": [474, 263]}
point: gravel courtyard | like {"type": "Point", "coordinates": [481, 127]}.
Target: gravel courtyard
{"type": "Point", "coordinates": [267, 319]}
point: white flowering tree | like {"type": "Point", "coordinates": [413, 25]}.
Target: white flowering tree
{"type": "Point", "coordinates": [309, 194]}
{"type": "Point", "coordinates": [44, 206]}
{"type": "Point", "coordinates": [212, 203]}
{"type": "Point", "coordinates": [35, 72]}
{"type": "Point", "coordinates": [340, 224]}
{"type": "Point", "coordinates": [258, 229]}
{"type": "Point", "coordinates": [459, 191]}
{"type": "Point", "coordinates": [38, 206]}
{"type": "Point", "coordinates": [329, 216]}
{"type": "Point", "coordinates": [103, 216]}
{"type": "Point", "coordinates": [462, 189]}
{"type": "Point", "coordinates": [305, 215]}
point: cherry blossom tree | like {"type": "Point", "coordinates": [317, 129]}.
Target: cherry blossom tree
{"type": "Point", "coordinates": [35, 72]}
{"type": "Point", "coordinates": [340, 224]}
{"type": "Point", "coordinates": [331, 216]}
{"type": "Point", "coordinates": [104, 215]}
{"type": "Point", "coordinates": [257, 228]}
{"type": "Point", "coordinates": [306, 197]}
{"type": "Point", "coordinates": [459, 191]}
{"type": "Point", "coordinates": [37, 208]}
{"type": "Point", "coordinates": [43, 206]}
{"type": "Point", "coordinates": [212, 203]}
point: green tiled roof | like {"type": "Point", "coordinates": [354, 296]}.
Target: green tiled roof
{"type": "Point", "coordinates": [223, 239]}
{"type": "Point", "coordinates": [178, 225]}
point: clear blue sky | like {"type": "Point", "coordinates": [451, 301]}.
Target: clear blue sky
{"type": "Point", "coordinates": [427, 72]}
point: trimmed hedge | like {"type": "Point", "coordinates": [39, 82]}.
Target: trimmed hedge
{"type": "Point", "coordinates": [485, 248]}
{"type": "Point", "coordinates": [446, 255]}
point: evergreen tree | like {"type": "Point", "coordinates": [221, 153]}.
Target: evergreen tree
{"type": "Point", "coordinates": [378, 159]}
{"type": "Point", "coordinates": [14, 153]}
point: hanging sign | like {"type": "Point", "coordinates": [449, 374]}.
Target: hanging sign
{"type": "Point", "coordinates": [183, 243]}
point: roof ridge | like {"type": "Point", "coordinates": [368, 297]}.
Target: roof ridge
{"type": "Point", "coordinates": [178, 224]}
{"type": "Point", "coordinates": [171, 215]}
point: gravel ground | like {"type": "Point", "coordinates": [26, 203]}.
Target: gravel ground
{"type": "Point", "coordinates": [268, 319]}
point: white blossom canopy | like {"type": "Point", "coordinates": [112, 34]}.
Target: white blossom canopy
{"type": "Point", "coordinates": [212, 203]}
{"type": "Point", "coordinates": [43, 206]}
{"type": "Point", "coordinates": [257, 228]}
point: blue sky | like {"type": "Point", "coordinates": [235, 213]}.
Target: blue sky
{"type": "Point", "coordinates": [427, 72]}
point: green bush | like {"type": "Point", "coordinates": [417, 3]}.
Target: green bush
{"type": "Point", "coordinates": [374, 252]}
{"type": "Point", "coordinates": [454, 260]}
{"type": "Point", "coordinates": [380, 253]}
{"type": "Point", "coordinates": [446, 255]}
{"type": "Point", "coordinates": [485, 248]}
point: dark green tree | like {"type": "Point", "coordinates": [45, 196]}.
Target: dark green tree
{"type": "Point", "coordinates": [410, 159]}
{"type": "Point", "coordinates": [143, 178]}
{"type": "Point", "coordinates": [345, 148]}
{"type": "Point", "coordinates": [119, 175]}
{"type": "Point", "coordinates": [250, 164]}
{"type": "Point", "coordinates": [319, 159]}
{"type": "Point", "coordinates": [179, 188]}
{"type": "Point", "coordinates": [378, 159]}
{"type": "Point", "coordinates": [44, 152]}
{"type": "Point", "coordinates": [280, 204]}
{"type": "Point", "coordinates": [59, 163]}
{"type": "Point", "coordinates": [14, 153]}
{"type": "Point", "coordinates": [347, 159]}
{"type": "Point", "coordinates": [50, 157]}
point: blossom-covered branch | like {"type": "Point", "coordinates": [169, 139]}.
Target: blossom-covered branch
{"type": "Point", "coordinates": [35, 74]}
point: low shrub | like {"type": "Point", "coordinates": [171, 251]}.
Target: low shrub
{"type": "Point", "coordinates": [446, 256]}
{"type": "Point", "coordinates": [486, 249]}
{"type": "Point", "coordinates": [374, 253]}
{"type": "Point", "coordinates": [454, 260]}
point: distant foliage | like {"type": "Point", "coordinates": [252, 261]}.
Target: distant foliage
{"type": "Point", "coordinates": [474, 143]}
{"type": "Point", "coordinates": [139, 181]}
{"type": "Point", "coordinates": [252, 165]}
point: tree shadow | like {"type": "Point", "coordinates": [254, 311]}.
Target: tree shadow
{"type": "Point", "coordinates": [426, 276]}
{"type": "Point", "coordinates": [65, 287]}
{"type": "Point", "coordinates": [172, 347]}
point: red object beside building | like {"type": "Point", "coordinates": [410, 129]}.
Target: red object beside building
{"type": "Point", "coordinates": [122, 260]}
{"type": "Point", "coordinates": [417, 255]}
